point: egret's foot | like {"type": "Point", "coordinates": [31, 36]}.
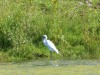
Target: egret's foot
{"type": "Point", "coordinates": [56, 65]}
{"type": "Point", "coordinates": [51, 63]}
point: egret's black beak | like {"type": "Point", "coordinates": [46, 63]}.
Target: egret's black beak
{"type": "Point", "coordinates": [43, 37]}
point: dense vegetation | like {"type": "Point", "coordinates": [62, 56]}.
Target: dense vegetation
{"type": "Point", "coordinates": [74, 29]}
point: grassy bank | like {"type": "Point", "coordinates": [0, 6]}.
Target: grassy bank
{"type": "Point", "coordinates": [74, 29]}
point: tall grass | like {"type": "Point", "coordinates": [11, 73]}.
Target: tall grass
{"type": "Point", "coordinates": [74, 29]}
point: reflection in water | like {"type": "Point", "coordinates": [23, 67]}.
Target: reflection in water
{"type": "Point", "coordinates": [55, 62]}
{"type": "Point", "coordinates": [66, 62]}
{"type": "Point", "coordinates": [57, 67]}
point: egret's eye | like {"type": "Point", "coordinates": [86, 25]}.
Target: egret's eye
{"type": "Point", "coordinates": [43, 37]}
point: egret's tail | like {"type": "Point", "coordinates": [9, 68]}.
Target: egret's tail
{"type": "Point", "coordinates": [57, 51]}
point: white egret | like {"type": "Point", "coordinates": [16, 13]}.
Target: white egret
{"type": "Point", "coordinates": [50, 45]}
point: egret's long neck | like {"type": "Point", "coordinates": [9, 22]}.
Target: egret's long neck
{"type": "Point", "coordinates": [44, 41]}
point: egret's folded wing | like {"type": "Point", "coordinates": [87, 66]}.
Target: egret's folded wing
{"type": "Point", "coordinates": [51, 46]}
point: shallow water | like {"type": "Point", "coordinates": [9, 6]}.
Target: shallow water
{"type": "Point", "coordinates": [57, 67]}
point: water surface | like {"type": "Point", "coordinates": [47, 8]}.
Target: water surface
{"type": "Point", "coordinates": [57, 67]}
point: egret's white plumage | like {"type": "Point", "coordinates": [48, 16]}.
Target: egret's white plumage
{"type": "Point", "coordinates": [49, 44]}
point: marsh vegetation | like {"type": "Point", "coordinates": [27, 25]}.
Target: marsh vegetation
{"type": "Point", "coordinates": [74, 29]}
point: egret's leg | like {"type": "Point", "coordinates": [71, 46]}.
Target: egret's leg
{"type": "Point", "coordinates": [51, 58]}
{"type": "Point", "coordinates": [51, 55]}
{"type": "Point", "coordinates": [52, 61]}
